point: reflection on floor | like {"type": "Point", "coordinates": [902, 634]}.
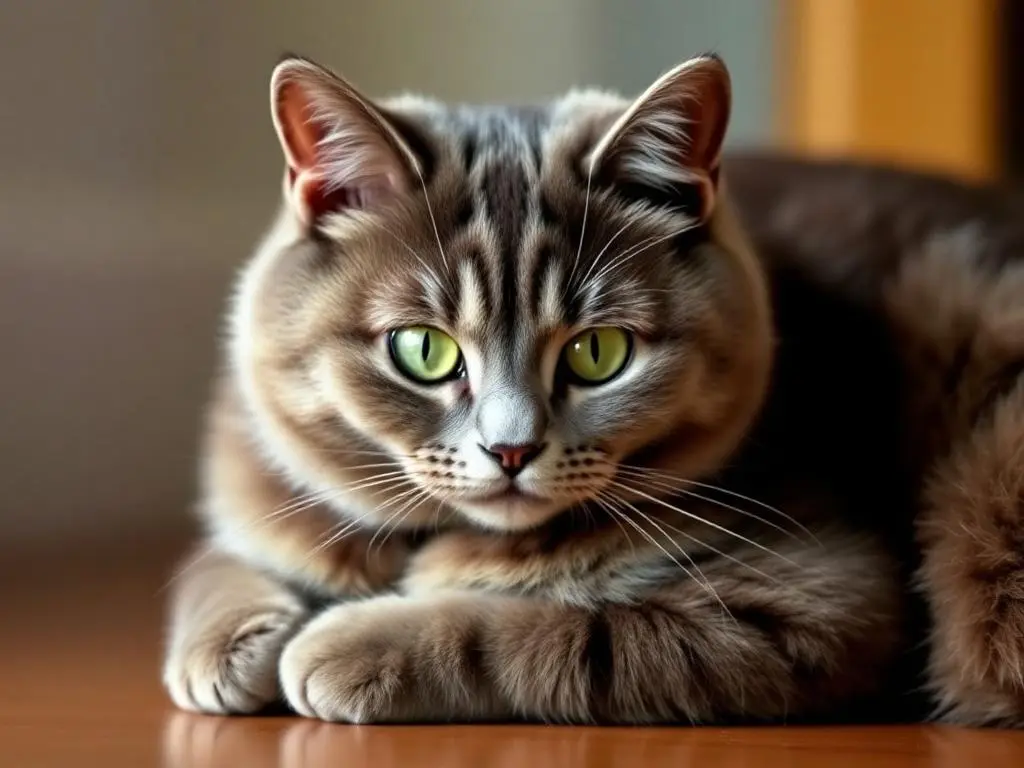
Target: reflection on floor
{"type": "Point", "coordinates": [79, 663]}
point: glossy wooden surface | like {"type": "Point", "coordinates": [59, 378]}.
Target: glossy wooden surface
{"type": "Point", "coordinates": [79, 687]}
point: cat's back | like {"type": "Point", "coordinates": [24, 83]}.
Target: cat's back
{"type": "Point", "coordinates": [852, 225]}
{"type": "Point", "coordinates": [898, 305]}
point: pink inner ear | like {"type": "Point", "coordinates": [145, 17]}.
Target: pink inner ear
{"type": "Point", "coordinates": [317, 198]}
{"type": "Point", "coordinates": [352, 172]}
{"type": "Point", "coordinates": [302, 135]}
{"type": "Point", "coordinates": [300, 132]}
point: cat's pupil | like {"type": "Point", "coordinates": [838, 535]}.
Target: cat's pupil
{"type": "Point", "coordinates": [594, 347]}
{"type": "Point", "coordinates": [426, 347]}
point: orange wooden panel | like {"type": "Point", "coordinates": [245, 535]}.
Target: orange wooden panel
{"type": "Point", "coordinates": [910, 81]}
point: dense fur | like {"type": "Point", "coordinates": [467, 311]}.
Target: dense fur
{"type": "Point", "coordinates": [724, 531]}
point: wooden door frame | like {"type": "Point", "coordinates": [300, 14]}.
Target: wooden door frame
{"type": "Point", "coordinates": [913, 82]}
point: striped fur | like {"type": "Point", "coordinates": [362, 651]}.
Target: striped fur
{"type": "Point", "coordinates": [357, 560]}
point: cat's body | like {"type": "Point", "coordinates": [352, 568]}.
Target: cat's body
{"type": "Point", "coordinates": [858, 369]}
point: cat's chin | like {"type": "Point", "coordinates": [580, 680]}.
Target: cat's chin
{"type": "Point", "coordinates": [509, 511]}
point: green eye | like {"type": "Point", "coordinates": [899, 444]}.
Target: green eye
{"type": "Point", "coordinates": [598, 354]}
{"type": "Point", "coordinates": [426, 355]}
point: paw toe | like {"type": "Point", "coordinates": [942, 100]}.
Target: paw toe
{"type": "Point", "coordinates": [338, 682]}
{"type": "Point", "coordinates": [233, 676]}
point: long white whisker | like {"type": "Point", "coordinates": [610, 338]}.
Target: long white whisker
{"type": "Point", "coordinates": [583, 227]}
{"type": "Point", "coordinates": [713, 549]}
{"type": "Point", "coordinates": [374, 466]}
{"type": "Point", "coordinates": [590, 269]}
{"type": "Point", "coordinates": [305, 501]}
{"type": "Point", "coordinates": [622, 259]}
{"type": "Point", "coordinates": [442, 285]}
{"type": "Point", "coordinates": [624, 255]}
{"type": "Point", "coordinates": [726, 492]}
{"type": "Point", "coordinates": [350, 452]}
{"type": "Point", "coordinates": [297, 501]}
{"type": "Point", "coordinates": [709, 523]}
{"type": "Point", "coordinates": [703, 580]}
{"type": "Point", "coordinates": [404, 513]}
{"type": "Point", "coordinates": [348, 526]}
{"type": "Point", "coordinates": [639, 529]}
{"type": "Point", "coordinates": [289, 511]}
{"type": "Point", "coordinates": [374, 481]}
{"type": "Point", "coordinates": [336, 533]}
{"type": "Point", "coordinates": [603, 503]}
{"type": "Point", "coordinates": [405, 508]}
{"type": "Point", "coordinates": [666, 486]}
{"type": "Point", "coordinates": [294, 506]}
{"type": "Point", "coordinates": [433, 221]}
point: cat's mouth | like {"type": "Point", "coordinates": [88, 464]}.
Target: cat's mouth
{"type": "Point", "coordinates": [510, 493]}
{"type": "Point", "coordinates": [510, 508]}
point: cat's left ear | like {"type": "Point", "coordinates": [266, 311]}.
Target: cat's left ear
{"type": "Point", "coordinates": [342, 152]}
{"type": "Point", "coordinates": [669, 140]}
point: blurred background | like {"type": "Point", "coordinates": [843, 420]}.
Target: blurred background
{"type": "Point", "coordinates": [138, 167]}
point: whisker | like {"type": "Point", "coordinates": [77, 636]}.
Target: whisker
{"type": "Point", "coordinates": [666, 486]}
{"type": "Point", "coordinates": [637, 250]}
{"type": "Point", "coordinates": [441, 284]}
{"type": "Point", "coordinates": [207, 550]}
{"type": "Point", "coordinates": [704, 581]}
{"type": "Point", "coordinates": [721, 553]}
{"type": "Point", "coordinates": [583, 230]}
{"type": "Point", "coordinates": [585, 506]}
{"type": "Point", "coordinates": [296, 501]}
{"type": "Point", "coordinates": [334, 535]}
{"type": "Point", "coordinates": [437, 516]}
{"type": "Point", "coordinates": [308, 500]}
{"type": "Point", "coordinates": [403, 510]}
{"type": "Point", "coordinates": [604, 505]}
{"type": "Point", "coordinates": [639, 529]}
{"type": "Point", "coordinates": [350, 452]}
{"type": "Point", "coordinates": [709, 523]}
{"type": "Point", "coordinates": [374, 481]}
{"type": "Point", "coordinates": [289, 511]}
{"type": "Point", "coordinates": [294, 506]}
{"type": "Point", "coordinates": [590, 269]}
{"type": "Point", "coordinates": [626, 254]}
{"type": "Point", "coordinates": [726, 492]}
{"type": "Point", "coordinates": [378, 465]}
{"type": "Point", "coordinates": [433, 221]}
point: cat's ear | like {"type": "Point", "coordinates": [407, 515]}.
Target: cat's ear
{"type": "Point", "coordinates": [669, 141]}
{"type": "Point", "coordinates": [342, 152]}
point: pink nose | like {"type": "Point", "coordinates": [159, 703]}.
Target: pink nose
{"type": "Point", "coordinates": [513, 458]}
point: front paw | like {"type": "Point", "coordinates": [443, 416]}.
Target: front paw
{"type": "Point", "coordinates": [353, 663]}
{"type": "Point", "coordinates": [231, 668]}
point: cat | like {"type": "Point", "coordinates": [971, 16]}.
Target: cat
{"type": "Point", "coordinates": [564, 414]}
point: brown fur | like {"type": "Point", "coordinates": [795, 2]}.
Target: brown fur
{"type": "Point", "coordinates": [860, 371]}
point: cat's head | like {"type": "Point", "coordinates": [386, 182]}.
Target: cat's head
{"type": "Point", "coordinates": [491, 311]}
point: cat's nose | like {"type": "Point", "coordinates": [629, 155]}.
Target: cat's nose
{"type": "Point", "coordinates": [513, 458]}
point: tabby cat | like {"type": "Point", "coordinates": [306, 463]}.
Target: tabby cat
{"type": "Point", "coordinates": [555, 414]}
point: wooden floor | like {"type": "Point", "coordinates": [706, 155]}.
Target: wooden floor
{"type": "Point", "coordinates": [79, 687]}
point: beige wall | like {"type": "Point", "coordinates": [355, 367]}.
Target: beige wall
{"type": "Point", "coordinates": [137, 166]}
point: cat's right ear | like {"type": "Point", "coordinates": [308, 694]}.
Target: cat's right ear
{"type": "Point", "coordinates": [668, 143]}
{"type": "Point", "coordinates": [341, 151]}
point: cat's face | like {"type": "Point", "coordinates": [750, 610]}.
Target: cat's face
{"type": "Point", "coordinates": [489, 312]}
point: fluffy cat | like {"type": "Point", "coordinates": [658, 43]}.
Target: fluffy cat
{"type": "Point", "coordinates": [551, 413]}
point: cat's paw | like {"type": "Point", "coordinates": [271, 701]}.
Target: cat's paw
{"type": "Point", "coordinates": [231, 669]}
{"type": "Point", "coordinates": [351, 664]}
